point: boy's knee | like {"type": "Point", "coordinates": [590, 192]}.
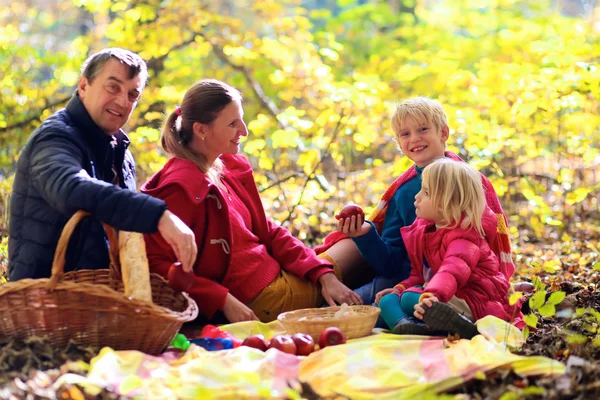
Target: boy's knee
{"type": "Point", "coordinates": [391, 299]}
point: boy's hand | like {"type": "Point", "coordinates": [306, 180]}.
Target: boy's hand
{"type": "Point", "coordinates": [353, 226]}
{"type": "Point", "coordinates": [427, 301]}
{"type": "Point", "coordinates": [379, 295]}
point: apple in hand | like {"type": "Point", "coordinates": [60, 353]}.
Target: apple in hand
{"type": "Point", "coordinates": [349, 210]}
{"type": "Point", "coordinates": [283, 343]}
{"type": "Point", "coordinates": [331, 336]}
{"type": "Point", "coordinates": [256, 341]}
{"type": "Point", "coordinates": [179, 279]}
{"type": "Point", "coordinates": [304, 344]}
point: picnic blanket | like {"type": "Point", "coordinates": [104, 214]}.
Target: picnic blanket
{"type": "Point", "coordinates": [379, 366]}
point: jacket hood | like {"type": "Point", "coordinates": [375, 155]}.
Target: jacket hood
{"type": "Point", "coordinates": [190, 178]}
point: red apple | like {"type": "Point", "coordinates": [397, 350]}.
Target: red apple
{"type": "Point", "coordinates": [179, 279]}
{"type": "Point", "coordinates": [256, 341]}
{"type": "Point", "coordinates": [283, 343]}
{"type": "Point", "coordinates": [304, 344]}
{"type": "Point", "coordinates": [331, 336]}
{"type": "Point", "coordinates": [350, 210]}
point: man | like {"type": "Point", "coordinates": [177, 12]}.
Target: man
{"type": "Point", "coordinates": [78, 160]}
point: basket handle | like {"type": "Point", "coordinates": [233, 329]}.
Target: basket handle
{"type": "Point", "coordinates": [58, 264]}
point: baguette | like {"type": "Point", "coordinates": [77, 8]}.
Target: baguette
{"type": "Point", "coordinates": [134, 266]}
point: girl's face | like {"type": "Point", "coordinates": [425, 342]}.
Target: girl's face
{"type": "Point", "coordinates": [424, 207]}
{"type": "Point", "coordinates": [422, 142]}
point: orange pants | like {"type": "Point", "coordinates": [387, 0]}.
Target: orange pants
{"type": "Point", "coordinates": [287, 293]}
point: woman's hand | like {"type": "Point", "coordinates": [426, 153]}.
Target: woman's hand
{"type": "Point", "coordinates": [379, 295]}
{"type": "Point", "coordinates": [353, 226]}
{"type": "Point", "coordinates": [236, 311]}
{"type": "Point", "coordinates": [335, 292]}
{"type": "Point", "coordinates": [427, 301]}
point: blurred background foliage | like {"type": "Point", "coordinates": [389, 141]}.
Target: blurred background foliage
{"type": "Point", "coordinates": [519, 80]}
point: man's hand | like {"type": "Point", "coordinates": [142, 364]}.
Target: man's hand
{"type": "Point", "coordinates": [180, 237]}
{"type": "Point", "coordinates": [427, 301]}
{"type": "Point", "coordinates": [236, 311]}
{"type": "Point", "coordinates": [379, 295]}
{"type": "Point", "coordinates": [353, 226]}
{"type": "Point", "coordinates": [335, 292]}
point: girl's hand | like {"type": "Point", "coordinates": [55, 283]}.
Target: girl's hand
{"type": "Point", "coordinates": [379, 295]}
{"type": "Point", "coordinates": [353, 226]}
{"type": "Point", "coordinates": [236, 311]}
{"type": "Point", "coordinates": [335, 292]}
{"type": "Point", "coordinates": [427, 301]}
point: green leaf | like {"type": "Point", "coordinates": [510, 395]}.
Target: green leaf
{"type": "Point", "coordinates": [537, 300]}
{"type": "Point", "coordinates": [556, 298]}
{"type": "Point", "coordinates": [577, 196]}
{"type": "Point", "coordinates": [547, 310]}
{"type": "Point", "coordinates": [577, 338]}
{"type": "Point", "coordinates": [596, 266]}
{"type": "Point", "coordinates": [531, 320]}
{"type": "Point", "coordinates": [532, 391]}
{"type": "Point", "coordinates": [509, 396]}
{"type": "Point", "coordinates": [512, 300]}
{"type": "Point", "coordinates": [537, 283]}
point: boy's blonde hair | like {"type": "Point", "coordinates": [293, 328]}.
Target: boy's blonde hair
{"type": "Point", "coordinates": [456, 193]}
{"type": "Point", "coordinates": [421, 109]}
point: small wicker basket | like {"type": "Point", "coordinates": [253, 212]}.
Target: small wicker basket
{"type": "Point", "coordinates": [90, 307]}
{"type": "Point", "coordinates": [313, 321]}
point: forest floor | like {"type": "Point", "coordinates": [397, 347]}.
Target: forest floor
{"type": "Point", "coordinates": [570, 335]}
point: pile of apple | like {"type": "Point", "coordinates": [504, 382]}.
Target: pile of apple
{"type": "Point", "coordinates": [300, 344]}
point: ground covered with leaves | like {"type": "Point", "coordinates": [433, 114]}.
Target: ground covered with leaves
{"type": "Point", "coordinates": [570, 334]}
{"type": "Point", "coordinates": [562, 313]}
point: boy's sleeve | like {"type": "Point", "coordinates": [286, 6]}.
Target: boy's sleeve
{"type": "Point", "coordinates": [386, 253]}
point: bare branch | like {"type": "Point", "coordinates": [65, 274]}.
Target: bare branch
{"type": "Point", "coordinates": [278, 182]}
{"type": "Point", "coordinates": [35, 117]}
{"type": "Point", "coordinates": [258, 91]}
{"type": "Point", "coordinates": [311, 176]}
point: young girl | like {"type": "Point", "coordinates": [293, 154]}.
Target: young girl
{"type": "Point", "coordinates": [455, 277]}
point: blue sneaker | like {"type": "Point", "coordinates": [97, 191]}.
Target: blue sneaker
{"type": "Point", "coordinates": [440, 316]}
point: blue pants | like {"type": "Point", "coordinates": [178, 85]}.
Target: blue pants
{"type": "Point", "coordinates": [394, 307]}
{"type": "Point", "coordinates": [367, 292]}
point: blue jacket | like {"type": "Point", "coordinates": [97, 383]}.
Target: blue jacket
{"type": "Point", "coordinates": [65, 166]}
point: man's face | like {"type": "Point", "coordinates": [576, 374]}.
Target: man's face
{"type": "Point", "coordinates": [111, 97]}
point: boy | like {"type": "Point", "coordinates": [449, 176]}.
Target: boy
{"type": "Point", "coordinates": [421, 129]}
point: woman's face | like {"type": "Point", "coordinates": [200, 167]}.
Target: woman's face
{"type": "Point", "coordinates": [223, 135]}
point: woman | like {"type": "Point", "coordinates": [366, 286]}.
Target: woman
{"type": "Point", "coordinates": [247, 266]}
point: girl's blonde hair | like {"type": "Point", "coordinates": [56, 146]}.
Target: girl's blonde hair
{"type": "Point", "coordinates": [203, 102]}
{"type": "Point", "coordinates": [456, 193]}
{"type": "Point", "coordinates": [421, 109]}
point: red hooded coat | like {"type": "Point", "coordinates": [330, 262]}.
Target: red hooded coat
{"type": "Point", "coordinates": [463, 265]}
{"type": "Point", "coordinates": [200, 204]}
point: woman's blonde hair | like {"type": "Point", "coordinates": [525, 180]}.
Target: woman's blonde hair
{"type": "Point", "coordinates": [456, 193]}
{"type": "Point", "coordinates": [202, 103]}
{"type": "Point", "coordinates": [421, 109]}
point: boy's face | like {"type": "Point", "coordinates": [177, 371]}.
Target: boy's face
{"type": "Point", "coordinates": [422, 142]}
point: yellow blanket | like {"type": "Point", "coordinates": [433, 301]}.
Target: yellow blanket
{"type": "Point", "coordinates": [378, 366]}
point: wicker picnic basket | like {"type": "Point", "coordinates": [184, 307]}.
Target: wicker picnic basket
{"type": "Point", "coordinates": [90, 307]}
{"type": "Point", "coordinates": [313, 321]}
